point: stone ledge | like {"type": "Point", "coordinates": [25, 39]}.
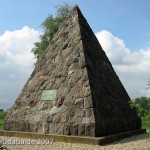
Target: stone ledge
{"type": "Point", "coordinates": [73, 139]}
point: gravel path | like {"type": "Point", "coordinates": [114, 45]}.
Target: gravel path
{"type": "Point", "coordinates": [140, 142]}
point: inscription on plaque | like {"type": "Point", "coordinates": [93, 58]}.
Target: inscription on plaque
{"type": "Point", "coordinates": [49, 95]}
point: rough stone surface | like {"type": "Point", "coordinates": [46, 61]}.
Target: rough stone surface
{"type": "Point", "coordinates": [90, 98]}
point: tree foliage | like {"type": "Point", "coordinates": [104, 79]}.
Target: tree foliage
{"type": "Point", "coordinates": [142, 105]}
{"type": "Point", "coordinates": [50, 26]}
{"type": "Point", "coordinates": [3, 114]}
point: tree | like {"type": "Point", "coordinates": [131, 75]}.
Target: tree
{"type": "Point", "coordinates": [142, 105]}
{"type": "Point", "coordinates": [50, 26]}
{"type": "Point", "coordinates": [3, 114]}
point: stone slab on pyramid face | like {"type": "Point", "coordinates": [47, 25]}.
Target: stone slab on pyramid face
{"type": "Point", "coordinates": [73, 89]}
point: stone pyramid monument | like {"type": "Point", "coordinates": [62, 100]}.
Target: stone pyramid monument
{"type": "Point", "coordinates": [73, 89]}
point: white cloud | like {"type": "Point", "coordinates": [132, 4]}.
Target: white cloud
{"type": "Point", "coordinates": [131, 67]}
{"type": "Point", "coordinates": [3, 101]}
{"type": "Point", "coordinates": [16, 62]}
{"type": "Point", "coordinates": [15, 47]}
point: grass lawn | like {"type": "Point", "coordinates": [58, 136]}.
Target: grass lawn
{"type": "Point", "coordinates": [1, 124]}
{"type": "Point", "coordinates": [146, 124]}
{"type": "Point", "coordinates": [2, 116]}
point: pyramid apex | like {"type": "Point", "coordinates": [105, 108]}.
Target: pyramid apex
{"type": "Point", "coordinates": [76, 7]}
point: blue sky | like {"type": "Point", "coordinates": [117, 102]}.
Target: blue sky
{"type": "Point", "coordinates": [127, 19]}
{"type": "Point", "coordinates": [121, 26]}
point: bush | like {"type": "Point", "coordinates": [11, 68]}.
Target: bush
{"type": "Point", "coordinates": [3, 114]}
{"type": "Point", "coordinates": [142, 105]}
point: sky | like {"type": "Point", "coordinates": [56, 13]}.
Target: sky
{"type": "Point", "coordinates": [121, 26]}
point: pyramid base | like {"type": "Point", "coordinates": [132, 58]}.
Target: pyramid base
{"type": "Point", "coordinates": [74, 139]}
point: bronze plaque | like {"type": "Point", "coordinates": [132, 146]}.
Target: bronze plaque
{"type": "Point", "coordinates": [49, 95]}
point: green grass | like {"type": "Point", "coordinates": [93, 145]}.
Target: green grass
{"type": "Point", "coordinates": [146, 123]}
{"type": "Point", "coordinates": [2, 116]}
{"type": "Point", "coordinates": [1, 124]}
